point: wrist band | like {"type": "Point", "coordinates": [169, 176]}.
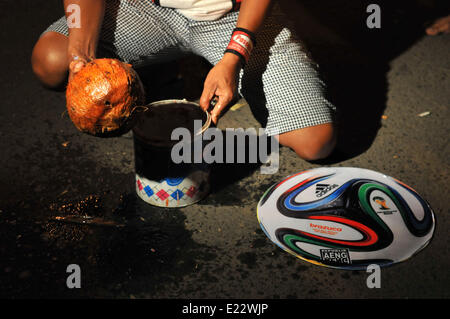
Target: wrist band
{"type": "Point", "coordinates": [241, 43]}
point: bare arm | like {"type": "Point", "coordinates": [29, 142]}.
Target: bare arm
{"type": "Point", "coordinates": [221, 80]}
{"type": "Point", "coordinates": [83, 41]}
{"type": "Point", "coordinates": [252, 14]}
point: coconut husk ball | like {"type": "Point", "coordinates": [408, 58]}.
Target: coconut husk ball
{"type": "Point", "coordinates": [104, 97]}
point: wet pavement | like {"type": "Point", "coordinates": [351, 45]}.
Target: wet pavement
{"type": "Point", "coordinates": [68, 198]}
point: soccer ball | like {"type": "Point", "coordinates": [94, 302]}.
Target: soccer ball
{"type": "Point", "coordinates": [346, 218]}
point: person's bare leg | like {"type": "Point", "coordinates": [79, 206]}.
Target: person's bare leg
{"type": "Point", "coordinates": [441, 25]}
{"type": "Point", "coordinates": [311, 143]}
{"type": "Point", "coordinates": [49, 60]}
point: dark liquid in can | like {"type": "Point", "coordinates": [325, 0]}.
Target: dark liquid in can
{"type": "Point", "coordinates": [152, 139]}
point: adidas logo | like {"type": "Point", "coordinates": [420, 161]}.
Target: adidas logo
{"type": "Point", "coordinates": [322, 189]}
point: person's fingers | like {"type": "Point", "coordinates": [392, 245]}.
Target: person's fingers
{"type": "Point", "coordinates": [445, 27]}
{"type": "Point", "coordinates": [441, 25]}
{"type": "Point", "coordinates": [431, 30]}
{"type": "Point", "coordinates": [207, 95]}
{"type": "Point", "coordinates": [434, 29]}
{"type": "Point", "coordinates": [438, 29]}
{"type": "Point", "coordinates": [76, 66]}
{"type": "Point", "coordinates": [224, 100]}
{"type": "Point", "coordinates": [216, 112]}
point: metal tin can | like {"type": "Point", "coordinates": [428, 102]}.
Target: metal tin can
{"type": "Point", "coordinates": [159, 180]}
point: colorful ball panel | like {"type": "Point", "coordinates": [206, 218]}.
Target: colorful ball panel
{"type": "Point", "coordinates": [346, 218]}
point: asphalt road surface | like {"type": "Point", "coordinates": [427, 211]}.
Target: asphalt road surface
{"type": "Point", "coordinates": [380, 80]}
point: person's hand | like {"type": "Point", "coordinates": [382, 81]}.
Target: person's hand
{"type": "Point", "coordinates": [441, 25]}
{"type": "Point", "coordinates": [77, 62]}
{"type": "Point", "coordinates": [221, 82]}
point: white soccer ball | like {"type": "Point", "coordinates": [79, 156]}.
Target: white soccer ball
{"type": "Point", "coordinates": [346, 218]}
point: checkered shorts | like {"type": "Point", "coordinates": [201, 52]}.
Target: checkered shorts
{"type": "Point", "coordinates": [280, 82]}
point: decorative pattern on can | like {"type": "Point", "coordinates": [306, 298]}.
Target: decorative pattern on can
{"type": "Point", "coordinates": [165, 193]}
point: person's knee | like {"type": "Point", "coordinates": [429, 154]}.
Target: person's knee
{"type": "Point", "coordinates": [311, 143]}
{"type": "Point", "coordinates": [49, 59]}
{"type": "Point", "coordinates": [315, 150]}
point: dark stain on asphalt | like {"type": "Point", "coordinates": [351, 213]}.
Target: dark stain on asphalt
{"type": "Point", "coordinates": [123, 245]}
{"type": "Point", "coordinates": [152, 248]}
